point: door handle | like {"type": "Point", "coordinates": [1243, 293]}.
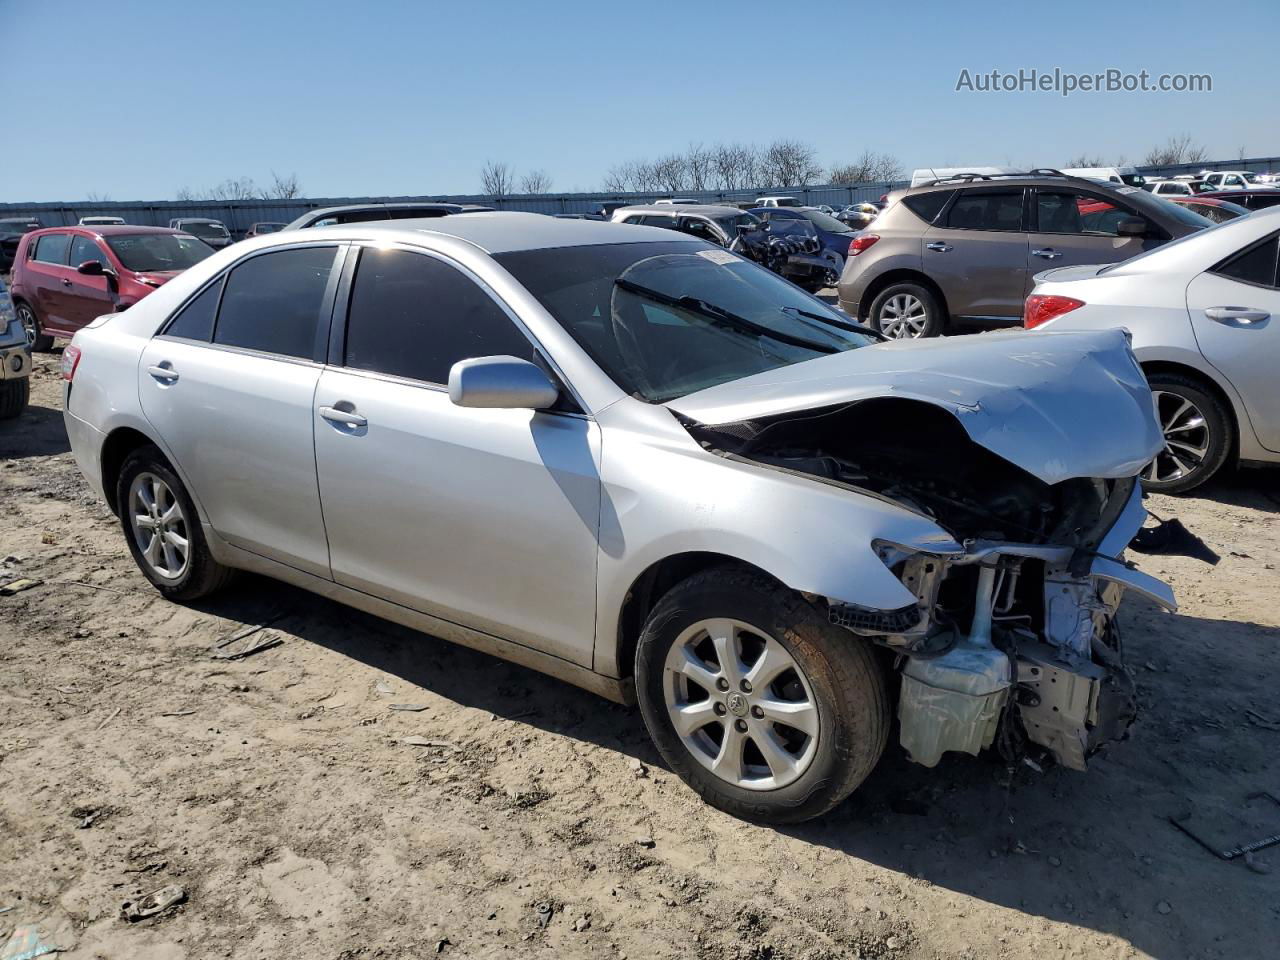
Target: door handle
{"type": "Point", "coordinates": [66, 282]}
{"type": "Point", "coordinates": [939, 246]}
{"type": "Point", "coordinates": [1237, 316]}
{"type": "Point", "coordinates": [344, 417]}
{"type": "Point", "coordinates": [1047, 252]}
{"type": "Point", "coordinates": [163, 372]}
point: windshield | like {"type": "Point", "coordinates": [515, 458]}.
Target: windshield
{"type": "Point", "coordinates": [268, 227]}
{"type": "Point", "coordinates": [215, 230]}
{"type": "Point", "coordinates": [666, 319]}
{"type": "Point", "coordinates": [150, 252]}
{"type": "Point", "coordinates": [793, 227]}
{"type": "Point", "coordinates": [824, 222]}
{"type": "Point", "coordinates": [1186, 215]}
{"type": "Point", "coordinates": [1133, 179]}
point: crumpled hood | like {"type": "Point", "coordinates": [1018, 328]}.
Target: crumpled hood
{"type": "Point", "coordinates": [1058, 405]}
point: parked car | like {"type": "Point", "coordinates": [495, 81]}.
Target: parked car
{"type": "Point", "coordinates": [858, 215]}
{"type": "Point", "coordinates": [710, 222]}
{"type": "Point", "coordinates": [11, 231]}
{"type": "Point", "coordinates": [262, 228]}
{"type": "Point", "coordinates": [99, 221]}
{"type": "Point", "coordinates": [679, 201]}
{"type": "Point", "coordinates": [579, 216]}
{"type": "Point", "coordinates": [1231, 180]}
{"type": "Point", "coordinates": [1175, 188]}
{"type": "Point", "coordinates": [64, 277]}
{"type": "Point", "coordinates": [661, 473]}
{"type": "Point", "coordinates": [212, 232]}
{"type": "Point", "coordinates": [1211, 208]}
{"type": "Point", "coordinates": [1203, 313]}
{"type": "Point", "coordinates": [777, 202]}
{"type": "Point", "coordinates": [1249, 199]}
{"type": "Point", "coordinates": [371, 212]}
{"type": "Point", "coordinates": [835, 235]}
{"type": "Point", "coordinates": [15, 359]}
{"type": "Point", "coordinates": [964, 251]}
{"type": "Point", "coordinates": [1126, 175]}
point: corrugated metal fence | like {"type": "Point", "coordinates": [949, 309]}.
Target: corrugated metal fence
{"type": "Point", "coordinates": [238, 215]}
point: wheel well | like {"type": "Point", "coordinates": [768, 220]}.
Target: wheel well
{"type": "Point", "coordinates": [899, 276]}
{"type": "Point", "coordinates": [651, 586]}
{"type": "Point", "coordinates": [118, 445]}
{"type": "Point", "coordinates": [1209, 384]}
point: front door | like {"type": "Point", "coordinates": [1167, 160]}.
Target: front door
{"type": "Point", "coordinates": [487, 518]}
{"type": "Point", "coordinates": [229, 385]}
{"type": "Point", "coordinates": [977, 253]}
{"type": "Point", "coordinates": [1235, 313]}
{"type": "Point", "coordinates": [88, 296]}
{"type": "Point", "coordinates": [1071, 227]}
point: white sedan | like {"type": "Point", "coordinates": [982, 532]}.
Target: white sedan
{"type": "Point", "coordinates": [1204, 314]}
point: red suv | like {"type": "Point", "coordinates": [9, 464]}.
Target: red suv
{"type": "Point", "coordinates": [63, 277]}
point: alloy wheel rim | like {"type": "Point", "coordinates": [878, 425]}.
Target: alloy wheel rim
{"type": "Point", "coordinates": [903, 317]}
{"type": "Point", "coordinates": [28, 319]}
{"type": "Point", "coordinates": [1186, 438]}
{"type": "Point", "coordinates": [159, 526]}
{"type": "Point", "coordinates": [740, 704]}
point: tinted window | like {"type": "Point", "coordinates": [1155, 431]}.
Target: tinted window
{"type": "Point", "coordinates": [195, 322]}
{"type": "Point", "coordinates": [986, 210]}
{"type": "Point", "coordinates": [927, 206]}
{"type": "Point", "coordinates": [1260, 201]}
{"type": "Point", "coordinates": [656, 221]}
{"type": "Point", "coordinates": [1256, 265]}
{"type": "Point", "coordinates": [1077, 213]}
{"type": "Point", "coordinates": [52, 248]}
{"type": "Point", "coordinates": [272, 302]}
{"type": "Point", "coordinates": [82, 249]}
{"type": "Point", "coordinates": [415, 316]}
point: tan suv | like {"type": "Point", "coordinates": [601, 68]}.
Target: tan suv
{"type": "Point", "coordinates": [965, 250]}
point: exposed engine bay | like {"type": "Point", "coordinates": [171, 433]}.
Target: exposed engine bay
{"type": "Point", "coordinates": [1012, 641]}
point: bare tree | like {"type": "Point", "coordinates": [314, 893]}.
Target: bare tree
{"type": "Point", "coordinates": [1085, 160]}
{"type": "Point", "coordinates": [734, 165]}
{"type": "Point", "coordinates": [870, 167]}
{"type": "Point", "coordinates": [497, 178]}
{"type": "Point", "coordinates": [789, 163]}
{"type": "Point", "coordinates": [536, 181]}
{"type": "Point", "coordinates": [238, 188]}
{"type": "Point", "coordinates": [95, 197]}
{"type": "Point", "coordinates": [619, 178]}
{"type": "Point", "coordinates": [282, 188]}
{"type": "Point", "coordinates": [698, 166]}
{"type": "Point", "coordinates": [671, 173]}
{"type": "Point", "coordinates": [1176, 150]}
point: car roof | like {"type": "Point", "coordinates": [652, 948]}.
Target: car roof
{"type": "Point", "coordinates": [105, 229]}
{"type": "Point", "coordinates": [408, 205]}
{"type": "Point", "coordinates": [507, 232]}
{"type": "Point", "coordinates": [704, 209]}
{"type": "Point", "coordinates": [196, 220]}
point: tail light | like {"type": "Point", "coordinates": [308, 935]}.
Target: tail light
{"type": "Point", "coordinates": [863, 241]}
{"type": "Point", "coordinates": [1043, 307]}
{"type": "Point", "coordinates": [70, 360]}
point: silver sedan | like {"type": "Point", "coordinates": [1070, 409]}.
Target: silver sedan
{"type": "Point", "coordinates": [639, 463]}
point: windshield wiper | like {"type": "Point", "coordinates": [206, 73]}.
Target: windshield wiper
{"type": "Point", "coordinates": [720, 315]}
{"type": "Point", "coordinates": [841, 324]}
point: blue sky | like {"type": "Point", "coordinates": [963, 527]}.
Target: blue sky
{"type": "Point", "coordinates": [139, 98]}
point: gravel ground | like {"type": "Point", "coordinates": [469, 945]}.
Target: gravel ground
{"type": "Point", "coordinates": [533, 819]}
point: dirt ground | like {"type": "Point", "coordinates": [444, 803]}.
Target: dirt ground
{"type": "Point", "coordinates": [279, 793]}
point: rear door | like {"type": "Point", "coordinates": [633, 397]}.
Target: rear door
{"type": "Point", "coordinates": [48, 277]}
{"type": "Point", "coordinates": [87, 296]}
{"type": "Point", "coordinates": [487, 518]}
{"type": "Point", "coordinates": [1071, 227]}
{"type": "Point", "coordinates": [1235, 313]}
{"type": "Point", "coordinates": [977, 253]}
{"type": "Point", "coordinates": [229, 385]}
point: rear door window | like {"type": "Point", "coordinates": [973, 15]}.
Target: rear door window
{"type": "Point", "coordinates": [272, 302]}
{"type": "Point", "coordinates": [415, 316]}
{"type": "Point", "coordinates": [1256, 265]}
{"type": "Point", "coordinates": [195, 321]}
{"type": "Point", "coordinates": [927, 206]}
{"type": "Point", "coordinates": [986, 210]}
{"type": "Point", "coordinates": [53, 248]}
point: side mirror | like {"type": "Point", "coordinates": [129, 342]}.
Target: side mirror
{"type": "Point", "coordinates": [92, 268]}
{"type": "Point", "coordinates": [1132, 227]}
{"type": "Point", "coordinates": [501, 383]}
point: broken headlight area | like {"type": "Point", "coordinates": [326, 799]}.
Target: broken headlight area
{"type": "Point", "coordinates": [1009, 648]}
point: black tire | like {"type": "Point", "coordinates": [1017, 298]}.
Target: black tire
{"type": "Point", "coordinates": [202, 575]}
{"type": "Point", "coordinates": [934, 321]}
{"type": "Point", "coordinates": [13, 397]}
{"type": "Point", "coordinates": [1216, 437]}
{"type": "Point", "coordinates": [848, 688]}
{"type": "Point", "coordinates": [42, 342]}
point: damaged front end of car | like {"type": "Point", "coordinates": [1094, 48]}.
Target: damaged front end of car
{"type": "Point", "coordinates": [1012, 640]}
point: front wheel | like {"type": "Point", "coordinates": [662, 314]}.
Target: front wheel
{"type": "Point", "coordinates": [1197, 434]}
{"type": "Point", "coordinates": [36, 339]}
{"type": "Point", "coordinates": [757, 702]}
{"type": "Point", "coordinates": [163, 529]}
{"type": "Point", "coordinates": [906, 311]}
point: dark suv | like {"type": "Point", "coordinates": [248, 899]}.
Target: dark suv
{"type": "Point", "coordinates": [965, 250]}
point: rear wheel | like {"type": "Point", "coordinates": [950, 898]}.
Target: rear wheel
{"type": "Point", "coordinates": [37, 339]}
{"type": "Point", "coordinates": [163, 529]}
{"type": "Point", "coordinates": [757, 702]}
{"type": "Point", "coordinates": [906, 311]}
{"type": "Point", "coordinates": [1197, 433]}
{"type": "Point", "coordinates": [13, 397]}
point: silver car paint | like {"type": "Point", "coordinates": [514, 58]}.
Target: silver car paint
{"type": "Point", "coordinates": [660, 493]}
